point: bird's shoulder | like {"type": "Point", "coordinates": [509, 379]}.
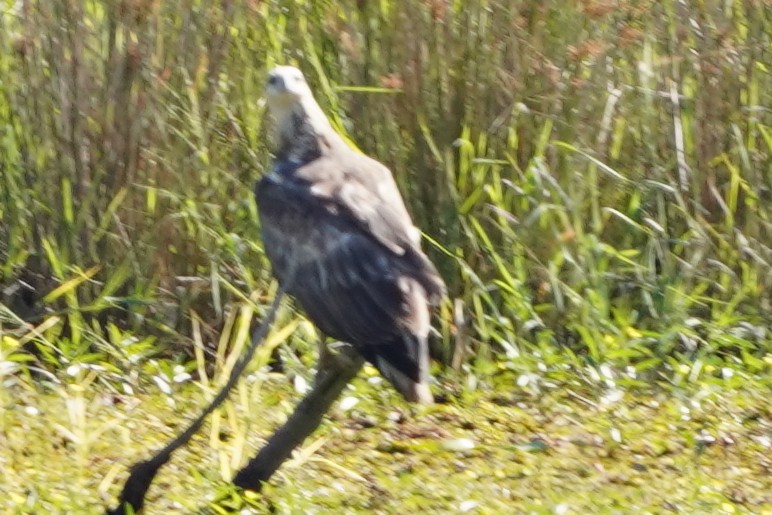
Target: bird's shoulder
{"type": "Point", "coordinates": [366, 190]}
{"type": "Point", "coordinates": [354, 187]}
{"type": "Point", "coordinates": [340, 203]}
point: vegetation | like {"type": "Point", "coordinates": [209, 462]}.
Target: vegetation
{"type": "Point", "coordinates": [593, 178]}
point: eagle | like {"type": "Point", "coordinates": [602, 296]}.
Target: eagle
{"type": "Point", "coordinates": [341, 242]}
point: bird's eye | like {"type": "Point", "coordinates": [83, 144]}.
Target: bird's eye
{"type": "Point", "coordinates": [272, 80]}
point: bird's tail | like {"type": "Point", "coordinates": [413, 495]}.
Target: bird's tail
{"type": "Point", "coordinates": [405, 364]}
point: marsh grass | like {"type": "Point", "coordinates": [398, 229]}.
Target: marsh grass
{"type": "Point", "coordinates": [567, 449]}
{"type": "Point", "coordinates": [593, 178]}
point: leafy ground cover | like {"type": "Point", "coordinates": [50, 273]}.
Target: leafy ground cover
{"type": "Point", "coordinates": [564, 448]}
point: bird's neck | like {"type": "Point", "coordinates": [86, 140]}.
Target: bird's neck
{"type": "Point", "coordinates": [303, 132]}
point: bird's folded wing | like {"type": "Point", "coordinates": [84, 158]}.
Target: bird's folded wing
{"type": "Point", "coordinates": [361, 194]}
{"type": "Point", "coordinates": [366, 189]}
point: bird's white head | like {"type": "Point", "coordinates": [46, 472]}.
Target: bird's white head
{"type": "Point", "coordinates": [286, 86]}
{"type": "Point", "coordinates": [290, 100]}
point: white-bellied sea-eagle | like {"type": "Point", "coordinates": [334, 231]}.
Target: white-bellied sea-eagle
{"type": "Point", "coordinates": [338, 236]}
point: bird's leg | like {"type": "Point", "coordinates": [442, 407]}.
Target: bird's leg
{"type": "Point", "coordinates": [329, 384]}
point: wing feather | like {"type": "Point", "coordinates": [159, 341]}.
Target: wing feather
{"type": "Point", "coordinates": [367, 307]}
{"type": "Point", "coordinates": [363, 190]}
{"type": "Point", "coordinates": [366, 189]}
{"type": "Point", "coordinates": [359, 274]}
{"type": "Point", "coordinates": [347, 282]}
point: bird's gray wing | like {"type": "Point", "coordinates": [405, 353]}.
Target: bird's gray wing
{"type": "Point", "coordinates": [366, 189]}
{"type": "Point", "coordinates": [362, 188]}
{"type": "Point", "coordinates": [348, 284]}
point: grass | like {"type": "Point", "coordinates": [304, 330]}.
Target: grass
{"type": "Point", "coordinates": [593, 180]}
{"type": "Point", "coordinates": [570, 448]}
